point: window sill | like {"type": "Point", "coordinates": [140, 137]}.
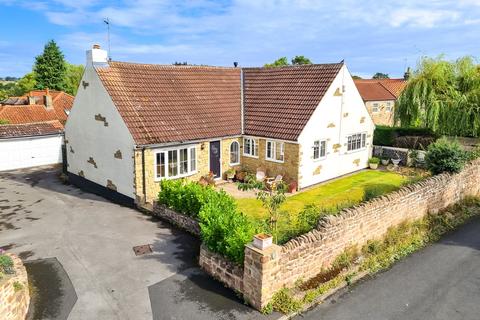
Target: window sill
{"type": "Point", "coordinates": [250, 156]}
{"type": "Point", "coordinates": [356, 150]}
{"type": "Point", "coordinates": [234, 164]}
{"type": "Point", "coordinates": [176, 177]}
{"type": "Point", "coordinates": [320, 159]}
{"type": "Point", "coordinates": [276, 161]}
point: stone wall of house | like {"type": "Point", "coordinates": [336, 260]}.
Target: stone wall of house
{"type": "Point", "coordinates": [182, 221]}
{"type": "Point", "coordinates": [153, 186]}
{"type": "Point", "coordinates": [289, 169]}
{"type": "Point", "coordinates": [382, 117]}
{"type": "Point", "coordinates": [221, 269]}
{"type": "Point", "coordinates": [267, 271]}
{"type": "Point", "coordinates": [14, 293]}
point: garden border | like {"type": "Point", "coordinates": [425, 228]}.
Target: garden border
{"type": "Point", "coordinates": [269, 270]}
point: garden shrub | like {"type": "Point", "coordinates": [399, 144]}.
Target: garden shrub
{"type": "Point", "coordinates": [387, 136]}
{"type": "Point", "coordinates": [6, 264]}
{"type": "Point", "coordinates": [184, 197]}
{"type": "Point", "coordinates": [445, 156]}
{"type": "Point", "coordinates": [223, 229]}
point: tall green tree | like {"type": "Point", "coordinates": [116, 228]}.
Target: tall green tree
{"type": "Point", "coordinates": [443, 96]}
{"type": "Point", "coordinates": [297, 60]}
{"type": "Point", "coordinates": [25, 84]}
{"type": "Point", "coordinates": [283, 61]}
{"type": "Point", "coordinates": [72, 79]}
{"type": "Point", "coordinates": [280, 62]}
{"type": "Point", "coordinates": [50, 68]}
{"type": "Point", "coordinates": [380, 75]}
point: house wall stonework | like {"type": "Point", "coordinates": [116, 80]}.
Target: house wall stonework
{"type": "Point", "coordinates": [382, 117]}
{"type": "Point", "coordinates": [288, 169]}
{"type": "Point", "coordinates": [152, 185]}
{"type": "Point", "coordinates": [267, 271]}
{"type": "Point", "coordinates": [14, 302]}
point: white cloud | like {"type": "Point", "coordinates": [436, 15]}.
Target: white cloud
{"type": "Point", "coordinates": [422, 17]}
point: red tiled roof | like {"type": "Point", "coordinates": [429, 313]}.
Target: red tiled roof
{"type": "Point", "coordinates": [278, 102]}
{"type": "Point", "coordinates": [380, 89]}
{"type": "Point", "coordinates": [30, 129]}
{"type": "Point", "coordinates": [161, 103]}
{"type": "Point", "coordinates": [17, 109]}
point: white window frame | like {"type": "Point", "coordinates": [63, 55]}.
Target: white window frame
{"type": "Point", "coordinates": [238, 153]}
{"type": "Point", "coordinates": [389, 107]}
{"type": "Point", "coordinates": [273, 157]}
{"type": "Point", "coordinates": [253, 147]}
{"type": "Point", "coordinates": [320, 157]}
{"type": "Point", "coordinates": [363, 141]}
{"type": "Point", "coordinates": [177, 150]}
{"type": "Point", "coordinates": [375, 107]}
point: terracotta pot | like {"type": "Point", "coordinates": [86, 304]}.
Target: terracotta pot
{"type": "Point", "coordinates": [292, 187]}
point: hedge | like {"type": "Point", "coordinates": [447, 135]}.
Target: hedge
{"type": "Point", "coordinates": [222, 228]}
{"type": "Point", "coordinates": [385, 136]}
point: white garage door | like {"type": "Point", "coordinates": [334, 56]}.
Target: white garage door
{"type": "Point", "coordinates": [30, 152]}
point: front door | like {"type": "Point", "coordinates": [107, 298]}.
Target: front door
{"type": "Point", "coordinates": [215, 158]}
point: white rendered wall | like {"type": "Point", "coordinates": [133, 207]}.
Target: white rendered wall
{"type": "Point", "coordinates": [87, 137]}
{"type": "Point", "coordinates": [348, 117]}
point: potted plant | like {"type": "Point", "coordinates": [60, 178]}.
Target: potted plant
{"type": "Point", "coordinates": [373, 162]}
{"type": "Point", "coordinates": [230, 174]}
{"type": "Point", "coordinates": [396, 160]}
{"type": "Point", "coordinates": [385, 160]}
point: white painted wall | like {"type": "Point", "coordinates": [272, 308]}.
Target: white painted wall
{"type": "Point", "coordinates": [90, 138]}
{"type": "Point", "coordinates": [19, 153]}
{"type": "Point", "coordinates": [331, 110]}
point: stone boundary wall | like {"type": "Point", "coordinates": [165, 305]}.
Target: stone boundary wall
{"type": "Point", "coordinates": [221, 269]}
{"type": "Point", "coordinates": [182, 221]}
{"type": "Point", "coordinates": [14, 303]}
{"type": "Point", "coordinates": [305, 256]}
{"type": "Point", "coordinates": [269, 270]}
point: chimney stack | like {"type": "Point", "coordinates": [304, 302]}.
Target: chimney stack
{"type": "Point", "coordinates": [96, 55]}
{"type": "Point", "coordinates": [31, 100]}
{"type": "Point", "coordinates": [48, 99]}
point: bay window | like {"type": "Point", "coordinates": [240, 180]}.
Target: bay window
{"type": "Point", "coordinates": [175, 163]}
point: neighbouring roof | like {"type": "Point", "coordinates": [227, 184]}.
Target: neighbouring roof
{"type": "Point", "coordinates": [278, 102]}
{"type": "Point", "coordinates": [30, 129]}
{"type": "Point", "coordinates": [163, 103]}
{"type": "Point", "coordinates": [380, 89]}
{"type": "Point", "coordinates": [18, 110]}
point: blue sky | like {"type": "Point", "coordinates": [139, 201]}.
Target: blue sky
{"type": "Point", "coordinates": [371, 36]}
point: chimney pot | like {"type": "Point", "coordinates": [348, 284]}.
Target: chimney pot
{"type": "Point", "coordinates": [235, 64]}
{"type": "Point", "coordinates": [96, 46]}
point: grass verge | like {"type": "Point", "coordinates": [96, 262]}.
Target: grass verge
{"type": "Point", "coordinates": [375, 255]}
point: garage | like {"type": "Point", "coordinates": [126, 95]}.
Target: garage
{"type": "Point", "coordinates": [30, 145]}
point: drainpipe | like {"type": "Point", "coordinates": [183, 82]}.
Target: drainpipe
{"type": "Point", "coordinates": [143, 176]}
{"type": "Point", "coordinates": [241, 101]}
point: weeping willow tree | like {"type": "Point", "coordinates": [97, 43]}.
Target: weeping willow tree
{"type": "Point", "coordinates": [443, 96]}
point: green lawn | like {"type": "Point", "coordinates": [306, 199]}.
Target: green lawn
{"type": "Point", "coordinates": [347, 190]}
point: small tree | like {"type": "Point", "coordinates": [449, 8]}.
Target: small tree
{"type": "Point", "coordinates": [380, 75]}
{"type": "Point", "coordinates": [272, 200]}
{"type": "Point", "coordinates": [73, 76]}
{"type": "Point", "coordinates": [50, 68]}
{"type": "Point", "coordinates": [445, 156]}
{"type": "Point", "coordinates": [26, 84]}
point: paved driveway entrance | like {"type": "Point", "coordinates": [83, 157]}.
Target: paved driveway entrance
{"type": "Point", "coordinates": [92, 239]}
